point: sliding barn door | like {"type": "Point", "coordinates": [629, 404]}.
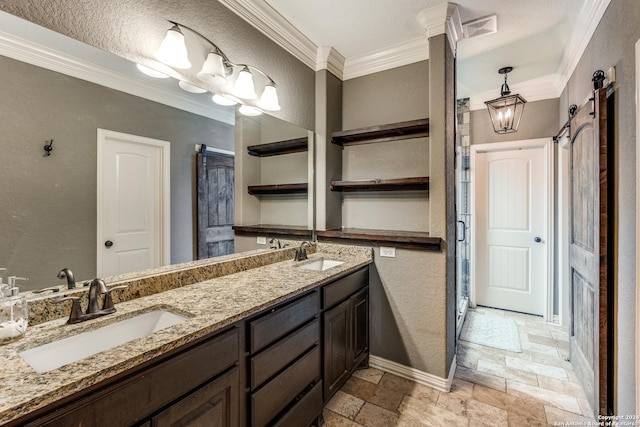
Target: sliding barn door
{"type": "Point", "coordinates": [588, 249]}
{"type": "Point", "coordinates": [215, 204]}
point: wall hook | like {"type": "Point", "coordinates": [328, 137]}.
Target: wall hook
{"type": "Point", "coordinates": [48, 148]}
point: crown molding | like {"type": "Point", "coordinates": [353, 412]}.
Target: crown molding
{"type": "Point", "coordinates": [385, 59]}
{"type": "Point", "coordinates": [265, 19]}
{"type": "Point", "coordinates": [588, 20]}
{"type": "Point", "coordinates": [330, 59]}
{"type": "Point", "coordinates": [547, 87]}
{"type": "Point", "coordinates": [43, 56]}
{"type": "Point", "coordinates": [442, 19]}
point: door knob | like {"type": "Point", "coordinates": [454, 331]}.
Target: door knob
{"type": "Point", "coordinates": [108, 243]}
{"type": "Point", "coordinates": [537, 240]}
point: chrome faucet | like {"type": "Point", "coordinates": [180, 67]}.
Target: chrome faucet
{"type": "Point", "coordinates": [97, 287]}
{"type": "Point", "coordinates": [65, 273]}
{"type": "Point", "coordinates": [275, 243]}
{"type": "Point", "coordinates": [301, 253]}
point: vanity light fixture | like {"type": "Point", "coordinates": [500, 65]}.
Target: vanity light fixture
{"type": "Point", "coordinates": [506, 111]}
{"type": "Point", "coordinates": [216, 72]}
{"type": "Point", "coordinates": [173, 50]}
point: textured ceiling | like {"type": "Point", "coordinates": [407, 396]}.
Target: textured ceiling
{"type": "Point", "coordinates": [531, 37]}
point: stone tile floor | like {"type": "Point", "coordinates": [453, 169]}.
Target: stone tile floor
{"type": "Point", "coordinates": [491, 387]}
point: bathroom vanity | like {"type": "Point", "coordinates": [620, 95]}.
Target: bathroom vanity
{"type": "Point", "coordinates": [265, 345]}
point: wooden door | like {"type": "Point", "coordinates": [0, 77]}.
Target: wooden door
{"type": "Point", "coordinates": [512, 242]}
{"type": "Point", "coordinates": [360, 324]}
{"type": "Point", "coordinates": [337, 357]}
{"type": "Point", "coordinates": [588, 250]}
{"type": "Point", "coordinates": [133, 203]}
{"type": "Point", "coordinates": [215, 204]}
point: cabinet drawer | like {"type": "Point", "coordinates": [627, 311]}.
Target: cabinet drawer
{"type": "Point", "coordinates": [276, 357]}
{"type": "Point", "coordinates": [274, 396]}
{"type": "Point", "coordinates": [305, 410]}
{"type": "Point", "coordinates": [282, 320]}
{"type": "Point", "coordinates": [343, 288]}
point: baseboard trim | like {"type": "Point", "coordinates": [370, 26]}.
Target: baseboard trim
{"type": "Point", "coordinates": [433, 381]}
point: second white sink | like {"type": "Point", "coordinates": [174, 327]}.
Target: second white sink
{"type": "Point", "coordinates": [51, 356]}
{"type": "Point", "coordinates": [321, 264]}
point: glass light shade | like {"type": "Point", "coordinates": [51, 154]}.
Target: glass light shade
{"type": "Point", "coordinates": [223, 100]}
{"type": "Point", "coordinates": [249, 110]}
{"type": "Point", "coordinates": [269, 99]}
{"type": "Point", "coordinates": [506, 113]}
{"type": "Point", "coordinates": [243, 87]}
{"type": "Point", "coordinates": [151, 72]}
{"type": "Point", "coordinates": [212, 71]}
{"type": "Point", "coordinates": [173, 51]}
{"type": "Point", "coordinates": [190, 87]}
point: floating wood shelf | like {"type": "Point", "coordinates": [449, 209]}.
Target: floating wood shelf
{"type": "Point", "coordinates": [278, 189]}
{"type": "Point", "coordinates": [383, 133]}
{"type": "Point", "coordinates": [395, 238]}
{"type": "Point", "coordinates": [274, 230]}
{"type": "Point", "coordinates": [280, 147]}
{"type": "Point", "coordinates": [420, 183]}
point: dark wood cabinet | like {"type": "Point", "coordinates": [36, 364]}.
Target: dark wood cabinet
{"type": "Point", "coordinates": [276, 368]}
{"type": "Point", "coordinates": [359, 307]}
{"type": "Point", "coordinates": [213, 405]}
{"type": "Point", "coordinates": [337, 357]}
{"type": "Point", "coordinates": [346, 329]}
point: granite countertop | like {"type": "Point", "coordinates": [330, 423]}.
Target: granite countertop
{"type": "Point", "coordinates": [209, 305]}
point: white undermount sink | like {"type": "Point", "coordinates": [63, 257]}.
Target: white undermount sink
{"type": "Point", "coordinates": [51, 356]}
{"type": "Point", "coordinates": [321, 264]}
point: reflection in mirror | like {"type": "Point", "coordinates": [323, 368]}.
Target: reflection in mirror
{"type": "Point", "coordinates": [57, 88]}
{"type": "Point", "coordinates": [48, 203]}
{"type": "Point", "coordinates": [273, 153]}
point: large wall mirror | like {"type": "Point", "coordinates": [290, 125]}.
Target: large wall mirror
{"type": "Point", "coordinates": [48, 203]}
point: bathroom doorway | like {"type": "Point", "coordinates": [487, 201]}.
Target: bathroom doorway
{"type": "Point", "coordinates": [133, 204]}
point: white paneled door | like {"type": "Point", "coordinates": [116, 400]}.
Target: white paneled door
{"type": "Point", "coordinates": [132, 203]}
{"type": "Point", "coordinates": [511, 220]}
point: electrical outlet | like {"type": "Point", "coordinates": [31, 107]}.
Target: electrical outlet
{"type": "Point", "coordinates": [387, 252]}
{"type": "Point", "coordinates": [261, 240]}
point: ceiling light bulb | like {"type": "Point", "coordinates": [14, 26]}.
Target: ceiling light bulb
{"type": "Point", "coordinates": [190, 87]}
{"type": "Point", "coordinates": [223, 100]}
{"type": "Point", "coordinates": [269, 99]}
{"type": "Point", "coordinates": [173, 50]}
{"type": "Point", "coordinates": [249, 110]}
{"type": "Point", "coordinates": [243, 87]}
{"type": "Point", "coordinates": [213, 70]}
{"type": "Point", "coordinates": [151, 72]}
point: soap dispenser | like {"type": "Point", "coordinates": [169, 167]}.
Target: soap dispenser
{"type": "Point", "coordinates": [14, 315]}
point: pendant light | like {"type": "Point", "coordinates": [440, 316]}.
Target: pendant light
{"type": "Point", "coordinates": [173, 51]}
{"type": "Point", "coordinates": [506, 111]}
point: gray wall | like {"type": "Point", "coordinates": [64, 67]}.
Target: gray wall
{"type": "Point", "coordinates": [408, 302]}
{"type": "Point", "coordinates": [540, 119]}
{"type": "Point", "coordinates": [613, 44]}
{"type": "Point", "coordinates": [48, 204]}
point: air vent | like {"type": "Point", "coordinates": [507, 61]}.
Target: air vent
{"type": "Point", "coordinates": [481, 26]}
